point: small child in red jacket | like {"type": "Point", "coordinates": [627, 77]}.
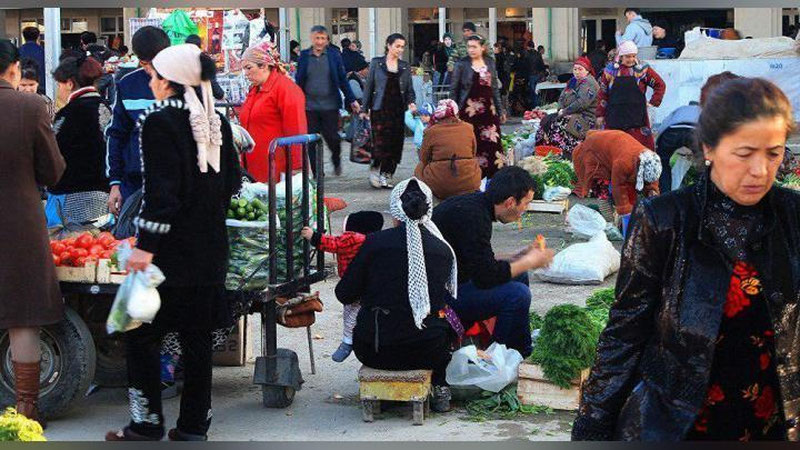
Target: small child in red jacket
{"type": "Point", "coordinates": [356, 228]}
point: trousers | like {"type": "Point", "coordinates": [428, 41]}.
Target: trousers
{"type": "Point", "coordinates": [143, 346]}
{"type": "Point", "coordinates": [325, 123]}
{"type": "Point", "coordinates": [509, 303]}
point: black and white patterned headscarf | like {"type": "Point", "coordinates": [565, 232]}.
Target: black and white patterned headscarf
{"type": "Point", "coordinates": [418, 295]}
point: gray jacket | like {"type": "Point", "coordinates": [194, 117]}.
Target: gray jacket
{"type": "Point", "coordinates": [376, 84]}
{"type": "Point", "coordinates": [462, 83]}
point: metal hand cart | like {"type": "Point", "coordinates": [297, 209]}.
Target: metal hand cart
{"type": "Point", "coordinates": [277, 369]}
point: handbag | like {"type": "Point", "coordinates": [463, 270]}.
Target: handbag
{"type": "Point", "coordinates": [362, 139]}
{"type": "Point", "coordinates": [298, 312]}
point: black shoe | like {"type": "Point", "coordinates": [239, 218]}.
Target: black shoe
{"type": "Point", "coordinates": [178, 435]}
{"type": "Point", "coordinates": [337, 170]}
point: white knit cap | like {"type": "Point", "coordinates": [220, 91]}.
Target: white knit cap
{"type": "Point", "coordinates": [649, 168]}
{"type": "Point", "coordinates": [418, 295]}
{"type": "Point", "coordinates": [181, 64]}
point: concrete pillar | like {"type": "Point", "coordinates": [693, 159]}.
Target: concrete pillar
{"type": "Point", "coordinates": [457, 20]}
{"type": "Point", "coordinates": [442, 22]}
{"type": "Point", "coordinates": [388, 21]}
{"type": "Point", "coordinates": [308, 18]}
{"type": "Point", "coordinates": [492, 28]}
{"type": "Point", "coordinates": [758, 22]}
{"type": "Point", "coordinates": [283, 32]}
{"type": "Point", "coordinates": [127, 15]}
{"type": "Point", "coordinates": [52, 47]}
{"type": "Point", "coordinates": [558, 30]}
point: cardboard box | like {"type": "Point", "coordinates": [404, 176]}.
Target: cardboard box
{"type": "Point", "coordinates": [85, 274]}
{"type": "Point", "coordinates": [235, 351]}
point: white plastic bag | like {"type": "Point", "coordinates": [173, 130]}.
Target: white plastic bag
{"type": "Point", "coordinates": [584, 263]}
{"type": "Point", "coordinates": [556, 193]}
{"type": "Point", "coordinates": [585, 222]}
{"type": "Point", "coordinates": [466, 368]}
{"type": "Point", "coordinates": [137, 300]}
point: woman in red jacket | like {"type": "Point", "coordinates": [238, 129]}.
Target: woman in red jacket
{"type": "Point", "coordinates": [623, 104]}
{"type": "Point", "coordinates": [275, 107]}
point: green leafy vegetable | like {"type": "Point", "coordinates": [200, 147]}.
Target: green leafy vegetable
{"type": "Point", "coordinates": [535, 321]}
{"type": "Point", "coordinates": [566, 344]}
{"type": "Point", "coordinates": [502, 405]}
{"type": "Point", "coordinates": [559, 173]}
{"type": "Point", "coordinates": [602, 298]}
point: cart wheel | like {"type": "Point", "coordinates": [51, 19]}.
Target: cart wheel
{"type": "Point", "coordinates": [112, 367]}
{"type": "Point", "coordinates": [67, 367]}
{"type": "Point", "coordinates": [277, 396]}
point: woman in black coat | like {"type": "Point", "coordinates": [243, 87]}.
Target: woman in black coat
{"type": "Point", "coordinates": [387, 94]}
{"type": "Point", "coordinates": [190, 172]}
{"type": "Point", "coordinates": [82, 192]}
{"type": "Point", "coordinates": [703, 341]}
{"type": "Point", "coordinates": [403, 277]}
{"type": "Point", "coordinates": [476, 89]}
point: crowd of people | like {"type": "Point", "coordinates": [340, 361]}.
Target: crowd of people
{"type": "Point", "coordinates": [701, 343]}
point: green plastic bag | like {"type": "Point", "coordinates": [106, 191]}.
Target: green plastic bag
{"type": "Point", "coordinates": [179, 26]}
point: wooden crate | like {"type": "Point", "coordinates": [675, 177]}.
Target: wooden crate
{"type": "Point", "coordinates": [549, 207]}
{"type": "Point", "coordinates": [85, 274]}
{"type": "Point", "coordinates": [107, 273]}
{"type": "Point", "coordinates": [534, 389]}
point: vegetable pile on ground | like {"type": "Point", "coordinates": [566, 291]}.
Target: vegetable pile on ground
{"type": "Point", "coordinates": [85, 248]}
{"type": "Point", "coordinates": [16, 427]}
{"type": "Point", "coordinates": [549, 171]}
{"type": "Point", "coordinates": [503, 405]}
{"type": "Point", "coordinates": [249, 211]}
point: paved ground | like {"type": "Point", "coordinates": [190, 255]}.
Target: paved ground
{"type": "Point", "coordinates": [327, 407]}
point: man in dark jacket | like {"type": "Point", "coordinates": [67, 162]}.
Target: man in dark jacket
{"type": "Point", "coordinates": [599, 58]}
{"type": "Point", "coordinates": [123, 162]}
{"type": "Point", "coordinates": [31, 50]}
{"type": "Point", "coordinates": [488, 287]}
{"type": "Point", "coordinates": [535, 63]}
{"type": "Point", "coordinates": [321, 76]}
{"type": "Point", "coordinates": [350, 56]}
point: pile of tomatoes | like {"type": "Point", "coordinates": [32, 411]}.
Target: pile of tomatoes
{"type": "Point", "coordinates": [534, 114]}
{"type": "Point", "coordinates": [86, 248]}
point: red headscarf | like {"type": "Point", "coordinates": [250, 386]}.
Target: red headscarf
{"type": "Point", "coordinates": [585, 63]}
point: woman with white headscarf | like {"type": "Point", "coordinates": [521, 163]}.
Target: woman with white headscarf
{"type": "Point", "coordinates": [403, 278]}
{"type": "Point", "coordinates": [190, 171]}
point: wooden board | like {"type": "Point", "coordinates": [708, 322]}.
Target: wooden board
{"type": "Point", "coordinates": [85, 274]}
{"type": "Point", "coordinates": [109, 274]}
{"type": "Point", "coordinates": [549, 207]}
{"type": "Point", "coordinates": [534, 389]}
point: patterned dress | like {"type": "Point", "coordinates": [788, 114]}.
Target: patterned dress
{"type": "Point", "coordinates": [481, 112]}
{"type": "Point", "coordinates": [742, 403]}
{"type": "Point", "coordinates": [388, 128]}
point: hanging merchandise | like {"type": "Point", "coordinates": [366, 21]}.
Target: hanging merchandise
{"type": "Point", "coordinates": [234, 25]}
{"type": "Point", "coordinates": [179, 26]}
{"type": "Point", "coordinates": [214, 33]}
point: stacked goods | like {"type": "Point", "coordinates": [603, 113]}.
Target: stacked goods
{"type": "Point", "coordinates": [78, 251]}
{"type": "Point", "coordinates": [549, 171]}
{"type": "Point", "coordinates": [248, 211]}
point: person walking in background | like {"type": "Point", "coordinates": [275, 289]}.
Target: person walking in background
{"type": "Point", "coordinates": [460, 48]}
{"type": "Point", "coordinates": [350, 56]}
{"type": "Point", "coordinates": [476, 90]}
{"type": "Point", "coordinates": [123, 164]}
{"type": "Point", "coordinates": [501, 58]}
{"type": "Point", "coordinates": [598, 58]}
{"type": "Point", "coordinates": [275, 107]}
{"type": "Point", "coordinates": [623, 104]}
{"type": "Point", "coordinates": [321, 76]}
{"type": "Point", "coordinates": [29, 292]}
{"type": "Point", "coordinates": [33, 51]}
{"type": "Point", "coordinates": [387, 94]}
{"type": "Point", "coordinates": [638, 30]}
{"type": "Point", "coordinates": [536, 71]}
{"type": "Point", "coordinates": [441, 61]}
{"type": "Point", "coordinates": [82, 193]}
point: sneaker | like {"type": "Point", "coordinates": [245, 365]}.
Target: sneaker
{"type": "Point", "coordinates": [375, 179]}
{"type": "Point", "coordinates": [342, 352]}
{"type": "Point", "coordinates": [386, 181]}
{"type": "Point", "coordinates": [441, 399]}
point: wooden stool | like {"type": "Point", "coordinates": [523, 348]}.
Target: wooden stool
{"type": "Point", "coordinates": [412, 386]}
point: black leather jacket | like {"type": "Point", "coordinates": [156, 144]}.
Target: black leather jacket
{"type": "Point", "coordinates": [462, 83]}
{"type": "Point", "coordinates": [376, 84]}
{"type": "Point", "coordinates": [654, 357]}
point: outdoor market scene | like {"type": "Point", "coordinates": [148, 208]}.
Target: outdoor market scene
{"type": "Point", "coordinates": [400, 224]}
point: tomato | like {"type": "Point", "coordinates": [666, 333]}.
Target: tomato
{"type": "Point", "coordinates": [65, 257]}
{"type": "Point", "coordinates": [96, 249]}
{"type": "Point", "coordinates": [57, 247]}
{"type": "Point", "coordinates": [56, 260]}
{"type": "Point", "coordinates": [70, 242]}
{"type": "Point", "coordinates": [84, 241]}
{"type": "Point", "coordinates": [106, 254]}
{"type": "Point", "coordinates": [106, 239]}
{"type": "Point", "coordinates": [80, 262]}
{"type": "Point", "coordinates": [79, 252]}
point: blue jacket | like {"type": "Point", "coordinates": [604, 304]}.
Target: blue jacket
{"type": "Point", "coordinates": [123, 163]}
{"type": "Point", "coordinates": [338, 75]}
{"type": "Point", "coordinates": [35, 53]}
{"type": "Point", "coordinates": [415, 124]}
{"type": "Point", "coordinates": [639, 31]}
